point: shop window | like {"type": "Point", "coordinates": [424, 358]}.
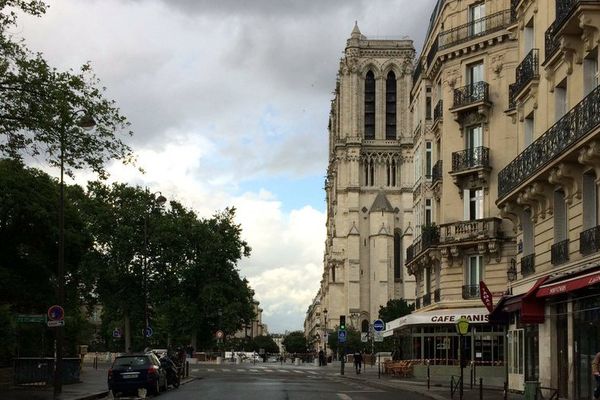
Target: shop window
{"type": "Point", "coordinates": [515, 353]}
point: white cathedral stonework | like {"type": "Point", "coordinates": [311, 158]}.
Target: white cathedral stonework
{"type": "Point", "coordinates": [369, 183]}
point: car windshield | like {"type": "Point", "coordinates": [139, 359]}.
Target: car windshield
{"type": "Point", "coordinates": [136, 361]}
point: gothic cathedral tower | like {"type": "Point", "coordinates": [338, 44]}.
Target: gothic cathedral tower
{"type": "Point", "coordinates": [369, 181]}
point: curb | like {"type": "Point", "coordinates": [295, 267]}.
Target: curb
{"type": "Point", "coordinates": [396, 386]}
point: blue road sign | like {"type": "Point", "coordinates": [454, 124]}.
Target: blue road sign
{"type": "Point", "coordinates": [148, 331]}
{"type": "Point", "coordinates": [341, 336]}
{"type": "Point", "coordinates": [378, 325]}
{"type": "Point", "coordinates": [117, 333]}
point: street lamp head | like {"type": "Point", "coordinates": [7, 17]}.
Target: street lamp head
{"type": "Point", "coordinates": [462, 326]}
{"type": "Point", "coordinates": [161, 200]}
{"type": "Point", "coordinates": [86, 122]}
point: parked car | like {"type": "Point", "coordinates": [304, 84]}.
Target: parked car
{"type": "Point", "coordinates": [132, 372]}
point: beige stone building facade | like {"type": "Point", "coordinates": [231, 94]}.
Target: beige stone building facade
{"type": "Point", "coordinates": [256, 327]}
{"type": "Point", "coordinates": [549, 190]}
{"type": "Point", "coordinates": [369, 183]}
{"type": "Point", "coordinates": [461, 139]}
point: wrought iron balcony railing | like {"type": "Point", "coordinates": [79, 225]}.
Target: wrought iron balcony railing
{"type": "Point", "coordinates": [426, 299]}
{"type": "Point", "coordinates": [527, 71]}
{"type": "Point", "coordinates": [430, 236]}
{"type": "Point", "coordinates": [564, 9]}
{"type": "Point", "coordinates": [417, 71]}
{"type": "Point", "coordinates": [470, 292]}
{"type": "Point", "coordinates": [436, 295]}
{"type": "Point", "coordinates": [512, 96]}
{"type": "Point", "coordinates": [528, 265]}
{"type": "Point", "coordinates": [559, 252]}
{"type": "Point", "coordinates": [436, 172]}
{"type": "Point", "coordinates": [438, 111]}
{"type": "Point", "coordinates": [589, 241]}
{"type": "Point", "coordinates": [472, 93]}
{"type": "Point", "coordinates": [574, 125]}
{"type": "Point", "coordinates": [433, 51]}
{"type": "Point", "coordinates": [476, 157]}
{"type": "Point", "coordinates": [470, 230]}
{"type": "Point", "coordinates": [474, 29]}
{"type": "Point", "coordinates": [551, 43]}
{"type": "Point", "coordinates": [513, 9]}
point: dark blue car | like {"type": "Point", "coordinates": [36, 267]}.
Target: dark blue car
{"type": "Point", "coordinates": [132, 372]}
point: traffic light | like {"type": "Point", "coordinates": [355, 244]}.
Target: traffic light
{"type": "Point", "coordinates": [342, 322]}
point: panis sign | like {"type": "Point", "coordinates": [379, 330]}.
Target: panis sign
{"type": "Point", "coordinates": [453, 318]}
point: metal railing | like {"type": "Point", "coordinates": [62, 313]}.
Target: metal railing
{"type": "Point", "coordinates": [528, 265]}
{"type": "Point", "coordinates": [470, 158]}
{"type": "Point", "coordinates": [436, 172]}
{"type": "Point", "coordinates": [437, 295]}
{"type": "Point", "coordinates": [471, 30]}
{"type": "Point", "coordinates": [426, 299]}
{"type": "Point", "coordinates": [430, 236]}
{"type": "Point", "coordinates": [527, 71]}
{"type": "Point", "coordinates": [551, 43]}
{"type": "Point", "coordinates": [470, 292]}
{"type": "Point", "coordinates": [574, 125]}
{"type": "Point", "coordinates": [559, 252]}
{"type": "Point", "coordinates": [589, 241]}
{"type": "Point", "coordinates": [418, 303]}
{"type": "Point", "coordinates": [472, 93]}
{"type": "Point", "coordinates": [512, 96]}
{"type": "Point", "coordinates": [438, 111]}
{"type": "Point", "coordinates": [468, 230]}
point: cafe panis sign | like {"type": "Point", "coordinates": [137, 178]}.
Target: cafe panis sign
{"type": "Point", "coordinates": [453, 318]}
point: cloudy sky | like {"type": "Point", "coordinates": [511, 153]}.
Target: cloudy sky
{"type": "Point", "coordinates": [229, 101]}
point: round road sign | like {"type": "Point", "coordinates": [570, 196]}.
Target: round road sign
{"type": "Point", "coordinates": [219, 334]}
{"type": "Point", "coordinates": [56, 313]}
{"type": "Point", "coordinates": [378, 325]}
{"type": "Point", "coordinates": [148, 331]}
{"type": "Point", "coordinates": [117, 333]}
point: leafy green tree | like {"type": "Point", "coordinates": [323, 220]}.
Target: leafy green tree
{"type": "Point", "coordinates": [295, 342]}
{"type": "Point", "coordinates": [40, 106]}
{"type": "Point", "coordinates": [395, 308]}
{"type": "Point", "coordinates": [264, 342]}
{"type": "Point", "coordinates": [353, 342]}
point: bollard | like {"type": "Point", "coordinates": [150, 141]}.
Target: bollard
{"type": "Point", "coordinates": [472, 375]}
{"type": "Point", "coordinates": [505, 390]}
{"type": "Point", "coordinates": [187, 369]}
{"type": "Point", "coordinates": [452, 387]}
{"type": "Point", "coordinates": [480, 388]}
{"type": "Point", "coordinates": [428, 376]}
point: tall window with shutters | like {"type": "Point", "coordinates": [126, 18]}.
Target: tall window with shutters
{"type": "Point", "coordinates": [560, 217]}
{"type": "Point", "coordinates": [370, 105]}
{"type": "Point", "coordinates": [473, 204]}
{"type": "Point", "coordinates": [590, 201]}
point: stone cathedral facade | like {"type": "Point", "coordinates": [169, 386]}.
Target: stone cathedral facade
{"type": "Point", "coordinates": [369, 184]}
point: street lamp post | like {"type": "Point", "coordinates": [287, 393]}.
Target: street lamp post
{"type": "Point", "coordinates": [86, 122]}
{"type": "Point", "coordinates": [462, 327]}
{"type": "Point", "coordinates": [325, 335]}
{"type": "Point", "coordinates": [159, 201]}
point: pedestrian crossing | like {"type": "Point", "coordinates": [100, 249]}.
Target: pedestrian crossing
{"type": "Point", "coordinates": [258, 370]}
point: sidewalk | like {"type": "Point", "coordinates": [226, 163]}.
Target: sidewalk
{"type": "Point", "coordinates": [92, 386]}
{"type": "Point", "coordinates": [439, 390]}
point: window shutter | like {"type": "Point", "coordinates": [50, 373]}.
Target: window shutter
{"type": "Point", "coordinates": [560, 223]}
{"type": "Point", "coordinates": [589, 201]}
{"type": "Point", "coordinates": [467, 204]}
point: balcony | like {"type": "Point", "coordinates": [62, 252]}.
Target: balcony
{"type": "Point", "coordinates": [559, 252]}
{"type": "Point", "coordinates": [528, 265]}
{"type": "Point", "coordinates": [437, 173]}
{"type": "Point", "coordinates": [470, 292]}
{"type": "Point", "coordinates": [469, 159]}
{"type": "Point", "coordinates": [430, 237]}
{"type": "Point", "coordinates": [426, 299]}
{"type": "Point", "coordinates": [467, 231]}
{"type": "Point", "coordinates": [565, 9]}
{"type": "Point", "coordinates": [436, 295]}
{"type": "Point", "coordinates": [589, 241]}
{"type": "Point", "coordinates": [526, 72]}
{"type": "Point", "coordinates": [438, 112]}
{"type": "Point", "coordinates": [474, 29]}
{"type": "Point", "coordinates": [551, 42]}
{"type": "Point", "coordinates": [472, 94]}
{"type": "Point", "coordinates": [556, 141]}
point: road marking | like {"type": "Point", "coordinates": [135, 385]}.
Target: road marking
{"type": "Point", "coordinates": [344, 396]}
{"type": "Point", "coordinates": [312, 372]}
{"type": "Point", "coordinates": [210, 370]}
{"type": "Point", "coordinates": [253, 370]}
{"type": "Point", "coordinates": [268, 370]}
{"type": "Point", "coordinates": [283, 370]}
{"type": "Point", "coordinates": [195, 370]}
{"type": "Point", "coordinates": [225, 369]}
{"type": "Point", "coordinates": [299, 372]}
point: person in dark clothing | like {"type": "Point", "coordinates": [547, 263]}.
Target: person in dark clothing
{"type": "Point", "coordinates": [358, 359]}
{"type": "Point", "coordinates": [596, 373]}
{"type": "Point", "coordinates": [321, 358]}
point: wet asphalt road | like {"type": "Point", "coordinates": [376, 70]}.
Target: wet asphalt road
{"type": "Point", "coordinates": [277, 383]}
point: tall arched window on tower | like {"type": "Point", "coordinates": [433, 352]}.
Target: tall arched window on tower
{"type": "Point", "coordinates": [390, 106]}
{"type": "Point", "coordinates": [370, 105]}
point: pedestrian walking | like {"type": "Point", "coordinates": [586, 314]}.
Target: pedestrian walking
{"type": "Point", "coordinates": [321, 358]}
{"type": "Point", "coordinates": [596, 373]}
{"type": "Point", "coordinates": [358, 359]}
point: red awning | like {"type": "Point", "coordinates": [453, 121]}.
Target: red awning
{"type": "Point", "coordinates": [569, 285]}
{"type": "Point", "coordinates": [532, 308]}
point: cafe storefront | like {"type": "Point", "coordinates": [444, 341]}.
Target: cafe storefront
{"type": "Point", "coordinates": [430, 338]}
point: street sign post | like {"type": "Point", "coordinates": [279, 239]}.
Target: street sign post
{"type": "Point", "coordinates": [55, 324]}
{"type": "Point", "coordinates": [56, 313]}
{"type": "Point", "coordinates": [378, 336]}
{"type": "Point", "coordinates": [31, 319]}
{"type": "Point", "coordinates": [364, 337]}
{"type": "Point", "coordinates": [342, 336]}
{"type": "Point", "coordinates": [378, 325]}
